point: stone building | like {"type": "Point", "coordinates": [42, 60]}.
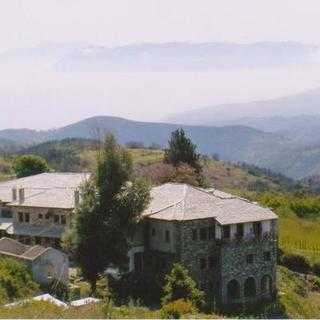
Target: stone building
{"type": "Point", "coordinates": [38, 209]}
{"type": "Point", "coordinates": [46, 264]}
{"type": "Point", "coordinates": [228, 244]}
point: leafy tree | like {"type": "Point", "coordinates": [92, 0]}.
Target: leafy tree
{"type": "Point", "coordinates": [108, 213]}
{"type": "Point", "coordinates": [182, 150]}
{"type": "Point", "coordinates": [28, 165]}
{"type": "Point", "coordinates": [15, 280]}
{"type": "Point", "coordinates": [179, 285]}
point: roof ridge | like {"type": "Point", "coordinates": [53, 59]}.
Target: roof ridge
{"type": "Point", "coordinates": [29, 249]}
{"type": "Point", "coordinates": [164, 208]}
{"type": "Point", "coordinates": [185, 188]}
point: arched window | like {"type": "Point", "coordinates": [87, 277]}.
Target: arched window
{"type": "Point", "coordinates": [266, 284]}
{"type": "Point", "coordinates": [250, 287]}
{"type": "Point", "coordinates": [233, 290]}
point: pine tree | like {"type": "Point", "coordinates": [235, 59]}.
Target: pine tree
{"type": "Point", "coordinates": [182, 150]}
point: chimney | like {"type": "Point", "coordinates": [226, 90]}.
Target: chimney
{"type": "Point", "coordinates": [21, 195]}
{"type": "Point", "coordinates": [14, 194]}
{"type": "Point", "coordinates": [76, 198]}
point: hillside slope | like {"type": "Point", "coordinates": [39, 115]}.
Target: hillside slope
{"type": "Point", "coordinates": [277, 152]}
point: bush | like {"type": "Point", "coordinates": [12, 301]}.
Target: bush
{"type": "Point", "coordinates": [29, 165]}
{"type": "Point", "coordinates": [296, 263]}
{"type": "Point", "coordinates": [316, 269]}
{"type": "Point", "coordinates": [179, 285]}
{"type": "Point", "coordinates": [306, 207]}
{"type": "Point", "coordinates": [177, 309]}
{"type": "Point", "coordinates": [15, 280]}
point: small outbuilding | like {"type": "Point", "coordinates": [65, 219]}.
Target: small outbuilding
{"type": "Point", "coordinates": [46, 264]}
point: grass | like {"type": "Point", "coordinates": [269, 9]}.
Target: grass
{"type": "Point", "coordinates": [298, 296]}
{"type": "Point", "coordinates": [300, 236]}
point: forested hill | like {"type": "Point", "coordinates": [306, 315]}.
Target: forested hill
{"type": "Point", "coordinates": [232, 143]}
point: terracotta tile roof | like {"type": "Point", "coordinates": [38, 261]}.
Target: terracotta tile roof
{"type": "Point", "coordinates": [181, 202]}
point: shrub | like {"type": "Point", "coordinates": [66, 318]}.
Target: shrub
{"type": "Point", "coordinates": [29, 165]}
{"type": "Point", "coordinates": [316, 269]}
{"type": "Point", "coordinates": [296, 263]}
{"type": "Point", "coordinates": [306, 207]}
{"type": "Point", "coordinates": [179, 285]}
{"type": "Point", "coordinates": [177, 309]}
{"type": "Point", "coordinates": [15, 280]}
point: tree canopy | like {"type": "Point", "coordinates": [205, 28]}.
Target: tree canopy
{"type": "Point", "coordinates": [182, 150]}
{"type": "Point", "coordinates": [179, 285]}
{"type": "Point", "coordinates": [28, 165]}
{"type": "Point", "coordinates": [111, 204]}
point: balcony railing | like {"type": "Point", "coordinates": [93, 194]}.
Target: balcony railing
{"type": "Point", "coordinates": [266, 236]}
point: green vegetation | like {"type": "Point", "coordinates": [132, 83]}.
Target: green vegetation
{"type": "Point", "coordinates": [28, 165]}
{"type": "Point", "coordinates": [299, 228]}
{"type": "Point", "coordinates": [179, 285]}
{"type": "Point", "coordinates": [182, 150]}
{"type": "Point", "coordinates": [109, 212]}
{"type": "Point", "coordinates": [15, 281]}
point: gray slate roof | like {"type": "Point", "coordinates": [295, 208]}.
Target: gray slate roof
{"type": "Point", "coordinates": [181, 202]}
{"type": "Point", "coordinates": [12, 247]}
{"type": "Point", "coordinates": [48, 190]}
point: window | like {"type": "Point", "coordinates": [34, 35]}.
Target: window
{"type": "Point", "coordinates": [153, 232]}
{"type": "Point", "coordinates": [203, 234]}
{"type": "Point", "coordinates": [212, 261]}
{"type": "Point", "coordinates": [267, 256]}
{"type": "Point", "coordinates": [63, 219]}
{"type": "Point", "coordinates": [20, 216]}
{"type": "Point", "coordinates": [40, 216]}
{"type": "Point", "coordinates": [27, 217]}
{"type": "Point", "coordinates": [6, 213]}
{"type": "Point", "coordinates": [203, 264]}
{"type": "Point", "coordinates": [257, 229]}
{"type": "Point", "coordinates": [250, 258]}
{"type": "Point", "coordinates": [38, 240]}
{"type": "Point", "coordinates": [226, 232]}
{"type": "Point", "coordinates": [47, 216]}
{"type": "Point", "coordinates": [194, 234]}
{"type": "Point", "coordinates": [138, 262]}
{"type": "Point", "coordinates": [167, 236]}
{"type": "Point", "coordinates": [211, 232]}
{"type": "Point", "coordinates": [266, 284]}
{"type": "Point", "coordinates": [56, 218]}
{"type": "Point", "coordinates": [240, 231]}
{"type": "Point", "coordinates": [250, 287]}
{"type": "Point", "coordinates": [233, 290]}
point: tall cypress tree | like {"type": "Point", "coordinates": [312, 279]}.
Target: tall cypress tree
{"type": "Point", "coordinates": [110, 209]}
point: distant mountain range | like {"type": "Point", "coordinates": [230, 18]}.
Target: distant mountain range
{"type": "Point", "coordinates": [296, 117]}
{"type": "Point", "coordinates": [273, 115]}
{"type": "Point", "coordinates": [175, 56]}
{"type": "Point", "coordinates": [232, 143]}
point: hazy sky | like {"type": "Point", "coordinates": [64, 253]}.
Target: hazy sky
{"type": "Point", "coordinates": [28, 22]}
{"type": "Point", "coordinates": [31, 96]}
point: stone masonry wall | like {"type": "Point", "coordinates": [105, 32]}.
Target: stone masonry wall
{"type": "Point", "coordinates": [234, 265]}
